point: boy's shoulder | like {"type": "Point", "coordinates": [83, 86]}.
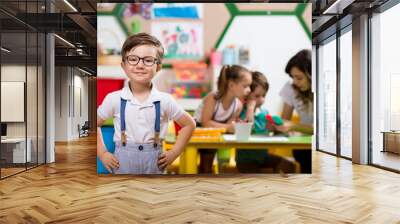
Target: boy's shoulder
{"type": "Point", "coordinates": [164, 95]}
{"type": "Point", "coordinates": [166, 98]}
{"type": "Point", "coordinates": [156, 94]}
{"type": "Point", "coordinates": [114, 94]}
{"type": "Point", "coordinates": [112, 98]}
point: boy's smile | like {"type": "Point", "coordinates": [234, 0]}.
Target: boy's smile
{"type": "Point", "coordinates": [142, 72]}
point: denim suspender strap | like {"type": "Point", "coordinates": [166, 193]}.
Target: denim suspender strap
{"type": "Point", "coordinates": [157, 123]}
{"type": "Point", "coordinates": [123, 125]}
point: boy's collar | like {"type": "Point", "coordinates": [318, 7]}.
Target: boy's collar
{"type": "Point", "coordinates": [127, 94]}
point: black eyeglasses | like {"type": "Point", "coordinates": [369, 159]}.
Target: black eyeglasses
{"type": "Point", "coordinates": [147, 61]}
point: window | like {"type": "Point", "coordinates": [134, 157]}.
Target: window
{"type": "Point", "coordinates": [346, 94]}
{"type": "Point", "coordinates": [23, 77]}
{"type": "Point", "coordinates": [385, 85]}
{"type": "Point", "coordinates": [327, 96]}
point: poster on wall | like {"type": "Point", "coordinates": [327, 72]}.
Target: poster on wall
{"type": "Point", "coordinates": [183, 40]}
{"type": "Point", "coordinates": [177, 10]}
{"type": "Point", "coordinates": [12, 98]}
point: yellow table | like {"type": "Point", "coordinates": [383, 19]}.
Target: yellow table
{"type": "Point", "coordinates": [276, 145]}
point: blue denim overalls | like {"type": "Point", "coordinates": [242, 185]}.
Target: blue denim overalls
{"type": "Point", "coordinates": [137, 158]}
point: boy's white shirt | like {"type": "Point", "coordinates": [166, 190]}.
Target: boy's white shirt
{"type": "Point", "coordinates": [139, 117]}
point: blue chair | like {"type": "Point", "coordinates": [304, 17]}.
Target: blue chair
{"type": "Point", "coordinates": [108, 134]}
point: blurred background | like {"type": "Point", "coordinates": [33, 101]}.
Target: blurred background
{"type": "Point", "coordinates": [199, 38]}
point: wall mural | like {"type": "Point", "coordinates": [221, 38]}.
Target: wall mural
{"type": "Point", "coordinates": [181, 40]}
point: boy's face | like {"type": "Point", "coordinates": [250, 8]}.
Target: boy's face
{"type": "Point", "coordinates": [145, 58]}
{"type": "Point", "coordinates": [258, 95]}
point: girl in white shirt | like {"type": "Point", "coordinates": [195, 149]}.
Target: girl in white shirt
{"type": "Point", "coordinates": [297, 95]}
{"type": "Point", "coordinates": [220, 109]}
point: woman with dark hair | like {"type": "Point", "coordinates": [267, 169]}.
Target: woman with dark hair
{"type": "Point", "coordinates": [297, 95]}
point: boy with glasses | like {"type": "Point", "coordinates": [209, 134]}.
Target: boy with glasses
{"type": "Point", "coordinates": [141, 114]}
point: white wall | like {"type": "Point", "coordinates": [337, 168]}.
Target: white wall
{"type": "Point", "coordinates": [68, 83]}
{"type": "Point", "coordinates": [80, 84]}
{"type": "Point", "coordinates": [272, 41]}
{"type": "Point", "coordinates": [61, 103]}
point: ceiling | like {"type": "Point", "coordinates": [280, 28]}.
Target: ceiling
{"type": "Point", "coordinates": [330, 15]}
{"type": "Point", "coordinates": [76, 23]}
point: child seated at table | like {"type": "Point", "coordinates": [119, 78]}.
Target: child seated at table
{"type": "Point", "coordinates": [221, 108]}
{"type": "Point", "coordinates": [254, 161]}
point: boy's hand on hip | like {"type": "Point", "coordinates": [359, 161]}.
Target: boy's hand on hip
{"type": "Point", "coordinates": [165, 159]}
{"type": "Point", "coordinates": [109, 161]}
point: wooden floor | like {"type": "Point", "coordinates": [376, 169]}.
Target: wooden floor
{"type": "Point", "coordinates": [386, 159]}
{"type": "Point", "coordinates": [70, 191]}
{"type": "Point", "coordinates": [10, 171]}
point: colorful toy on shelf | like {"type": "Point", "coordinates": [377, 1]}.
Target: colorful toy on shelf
{"type": "Point", "coordinates": [189, 90]}
{"type": "Point", "coordinates": [191, 80]}
{"type": "Point", "coordinates": [273, 119]}
{"type": "Point", "coordinates": [193, 71]}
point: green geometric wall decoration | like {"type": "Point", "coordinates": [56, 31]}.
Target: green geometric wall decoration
{"type": "Point", "coordinates": [234, 11]}
{"type": "Point", "coordinates": [117, 13]}
{"type": "Point", "coordinates": [118, 10]}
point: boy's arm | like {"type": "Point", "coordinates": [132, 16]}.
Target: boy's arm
{"type": "Point", "coordinates": [108, 159]}
{"type": "Point", "coordinates": [188, 125]}
{"type": "Point", "coordinates": [251, 107]}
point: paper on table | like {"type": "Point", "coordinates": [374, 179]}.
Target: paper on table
{"type": "Point", "coordinates": [258, 138]}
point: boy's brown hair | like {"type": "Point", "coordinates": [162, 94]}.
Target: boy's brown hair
{"type": "Point", "coordinates": [142, 39]}
{"type": "Point", "coordinates": [259, 79]}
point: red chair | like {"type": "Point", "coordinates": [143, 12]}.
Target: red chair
{"type": "Point", "coordinates": [177, 128]}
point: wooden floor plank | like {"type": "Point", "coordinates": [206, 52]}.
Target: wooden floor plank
{"type": "Point", "coordinates": [70, 191]}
